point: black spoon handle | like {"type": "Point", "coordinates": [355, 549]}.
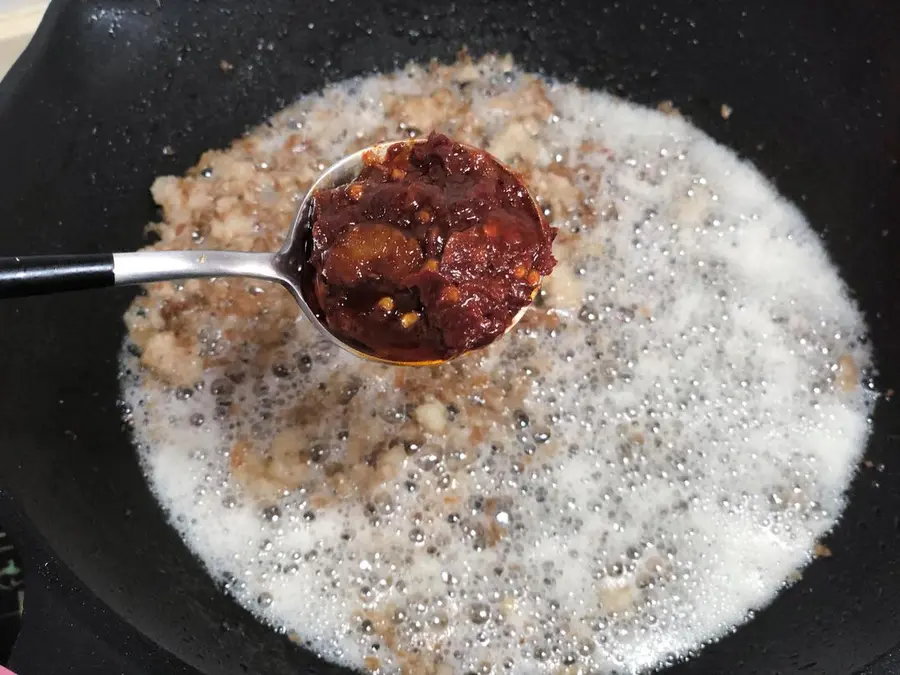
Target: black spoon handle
{"type": "Point", "coordinates": [36, 275]}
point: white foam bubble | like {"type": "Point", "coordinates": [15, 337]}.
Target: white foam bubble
{"type": "Point", "coordinates": [687, 439]}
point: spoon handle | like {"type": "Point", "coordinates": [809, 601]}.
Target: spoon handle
{"type": "Point", "coordinates": [144, 267]}
{"type": "Point", "coordinates": [37, 275]}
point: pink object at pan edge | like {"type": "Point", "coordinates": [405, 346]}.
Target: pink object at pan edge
{"type": "Point", "coordinates": [4, 671]}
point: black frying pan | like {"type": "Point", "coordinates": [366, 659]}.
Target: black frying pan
{"type": "Point", "coordinates": [84, 116]}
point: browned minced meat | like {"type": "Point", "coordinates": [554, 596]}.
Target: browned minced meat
{"type": "Point", "coordinates": [429, 253]}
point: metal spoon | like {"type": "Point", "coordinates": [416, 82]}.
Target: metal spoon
{"type": "Point", "coordinates": [37, 275]}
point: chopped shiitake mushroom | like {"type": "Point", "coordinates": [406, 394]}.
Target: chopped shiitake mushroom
{"type": "Point", "coordinates": [174, 362]}
{"type": "Point", "coordinates": [848, 373]}
{"type": "Point", "coordinates": [668, 107]}
{"type": "Point", "coordinates": [617, 595]}
{"type": "Point", "coordinates": [432, 416]}
{"type": "Point", "coordinates": [564, 289]}
{"type": "Point", "coordinates": [822, 551]}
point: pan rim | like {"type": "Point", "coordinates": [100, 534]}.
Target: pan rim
{"type": "Point", "coordinates": [10, 94]}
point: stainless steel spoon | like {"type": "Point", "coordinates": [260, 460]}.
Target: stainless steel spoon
{"type": "Point", "coordinates": [37, 275]}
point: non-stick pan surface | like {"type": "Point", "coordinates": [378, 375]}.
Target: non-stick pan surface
{"type": "Point", "coordinates": [84, 118]}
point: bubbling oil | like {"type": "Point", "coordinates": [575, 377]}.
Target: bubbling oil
{"type": "Point", "coordinates": [660, 460]}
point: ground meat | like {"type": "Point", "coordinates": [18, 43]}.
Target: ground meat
{"type": "Point", "coordinates": [429, 253]}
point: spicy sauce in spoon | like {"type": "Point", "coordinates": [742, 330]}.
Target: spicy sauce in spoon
{"type": "Point", "coordinates": [432, 251]}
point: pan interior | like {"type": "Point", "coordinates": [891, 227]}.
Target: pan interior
{"type": "Point", "coordinates": [636, 469]}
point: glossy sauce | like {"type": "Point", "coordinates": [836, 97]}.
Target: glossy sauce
{"type": "Point", "coordinates": [429, 253]}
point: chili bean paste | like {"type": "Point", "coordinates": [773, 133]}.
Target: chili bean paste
{"type": "Point", "coordinates": [429, 253]}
